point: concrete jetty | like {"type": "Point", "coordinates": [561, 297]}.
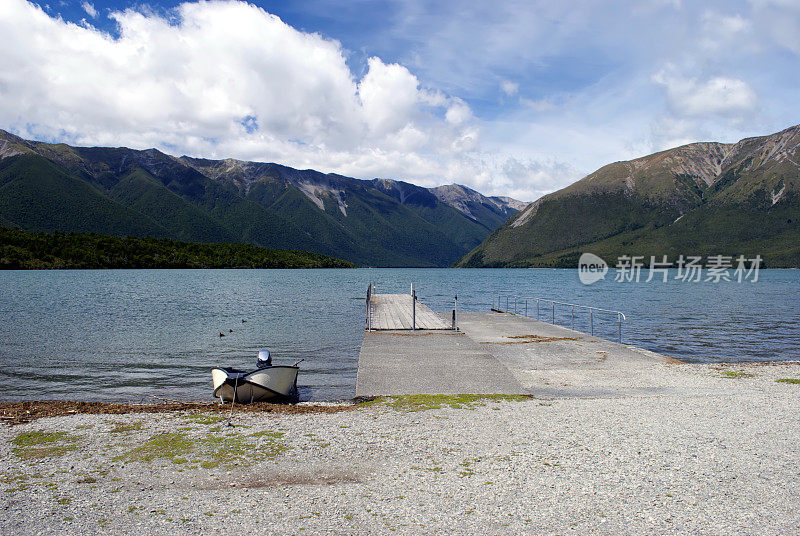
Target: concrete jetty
{"type": "Point", "coordinates": [500, 353]}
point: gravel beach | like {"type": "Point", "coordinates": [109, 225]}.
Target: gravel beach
{"type": "Point", "coordinates": [713, 450]}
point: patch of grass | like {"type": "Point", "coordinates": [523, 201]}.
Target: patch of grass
{"type": "Point", "coordinates": [121, 428]}
{"type": "Point", "coordinates": [266, 433]}
{"type": "Point", "coordinates": [18, 479]}
{"type": "Point", "coordinates": [788, 380]}
{"type": "Point", "coordinates": [65, 501]}
{"type": "Point", "coordinates": [427, 402]}
{"type": "Point", "coordinates": [36, 444]}
{"type": "Point", "coordinates": [168, 445]}
{"type": "Point", "coordinates": [29, 439]}
{"type": "Point", "coordinates": [205, 418]}
{"type": "Point", "coordinates": [238, 450]}
{"type": "Point", "coordinates": [734, 374]}
{"type": "Point", "coordinates": [86, 480]}
{"type": "Point", "coordinates": [209, 451]}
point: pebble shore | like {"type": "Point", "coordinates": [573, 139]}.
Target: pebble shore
{"type": "Point", "coordinates": [713, 452]}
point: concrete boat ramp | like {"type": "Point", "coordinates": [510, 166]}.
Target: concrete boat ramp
{"type": "Point", "coordinates": [497, 353]}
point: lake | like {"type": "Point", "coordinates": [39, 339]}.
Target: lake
{"type": "Point", "coordinates": [124, 335]}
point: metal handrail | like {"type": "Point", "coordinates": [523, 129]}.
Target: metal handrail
{"type": "Point", "coordinates": [517, 299]}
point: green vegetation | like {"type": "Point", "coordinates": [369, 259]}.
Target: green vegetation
{"type": "Point", "coordinates": [789, 380]}
{"type": "Point", "coordinates": [167, 445]}
{"type": "Point", "coordinates": [208, 451]}
{"type": "Point", "coordinates": [24, 250]}
{"type": "Point", "coordinates": [428, 402]}
{"type": "Point", "coordinates": [206, 419]}
{"type": "Point", "coordinates": [735, 374]}
{"type": "Point", "coordinates": [34, 445]}
{"type": "Point", "coordinates": [652, 207]}
{"type": "Point", "coordinates": [121, 428]}
{"type": "Point", "coordinates": [124, 192]}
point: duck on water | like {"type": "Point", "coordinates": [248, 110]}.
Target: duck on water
{"type": "Point", "coordinates": [268, 382]}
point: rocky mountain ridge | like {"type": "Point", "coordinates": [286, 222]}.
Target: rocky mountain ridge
{"type": "Point", "coordinates": [700, 197]}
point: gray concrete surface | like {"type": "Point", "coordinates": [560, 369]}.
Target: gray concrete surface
{"type": "Point", "coordinates": [555, 362]}
{"type": "Point", "coordinates": [505, 353]}
{"type": "Point", "coordinates": [429, 362]}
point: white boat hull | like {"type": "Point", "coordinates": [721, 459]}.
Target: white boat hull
{"type": "Point", "coordinates": [264, 384]}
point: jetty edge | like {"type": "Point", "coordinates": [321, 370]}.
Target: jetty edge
{"type": "Point", "coordinates": [407, 349]}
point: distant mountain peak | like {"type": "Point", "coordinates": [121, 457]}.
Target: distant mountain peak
{"type": "Point", "coordinates": [463, 198]}
{"type": "Point", "coordinates": [699, 198]}
{"type": "Point", "coordinates": [121, 191]}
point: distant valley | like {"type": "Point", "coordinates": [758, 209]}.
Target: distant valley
{"type": "Point", "coordinates": [146, 193]}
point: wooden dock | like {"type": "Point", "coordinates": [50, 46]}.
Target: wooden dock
{"type": "Point", "coordinates": [394, 311]}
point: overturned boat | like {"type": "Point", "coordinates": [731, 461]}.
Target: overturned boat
{"type": "Point", "coordinates": [268, 382]}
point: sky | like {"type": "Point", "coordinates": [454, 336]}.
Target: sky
{"type": "Point", "coordinates": [516, 98]}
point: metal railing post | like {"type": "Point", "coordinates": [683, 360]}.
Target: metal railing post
{"type": "Point", "coordinates": [619, 325]}
{"type": "Point", "coordinates": [537, 308]}
{"type": "Point", "coordinates": [413, 309]}
{"type": "Point", "coordinates": [526, 308]}
{"type": "Point", "coordinates": [515, 305]}
{"type": "Point", "coordinates": [572, 317]}
{"type": "Point", "coordinates": [591, 321]}
{"type": "Point", "coordinates": [506, 303]}
{"type": "Point", "coordinates": [455, 314]}
{"type": "Point", "coordinates": [369, 307]}
{"type": "Point", "coordinates": [554, 312]}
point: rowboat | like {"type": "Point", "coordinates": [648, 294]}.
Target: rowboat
{"type": "Point", "coordinates": [267, 382]}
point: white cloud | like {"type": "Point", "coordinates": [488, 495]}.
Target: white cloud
{"type": "Point", "coordinates": [89, 9]}
{"type": "Point", "coordinates": [779, 21]}
{"type": "Point", "coordinates": [458, 112]}
{"type": "Point", "coordinates": [509, 88]}
{"type": "Point", "coordinates": [541, 105]}
{"type": "Point", "coordinates": [225, 79]}
{"type": "Point", "coordinates": [716, 96]}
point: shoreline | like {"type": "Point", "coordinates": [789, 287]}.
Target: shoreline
{"type": "Point", "coordinates": [25, 411]}
{"type": "Point", "coordinates": [713, 450]}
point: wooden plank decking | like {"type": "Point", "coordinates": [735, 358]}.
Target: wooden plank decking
{"type": "Point", "coordinates": [393, 311]}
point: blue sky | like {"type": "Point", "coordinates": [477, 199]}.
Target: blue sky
{"type": "Point", "coordinates": [510, 98]}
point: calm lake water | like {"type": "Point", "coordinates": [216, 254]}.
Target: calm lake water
{"type": "Point", "coordinates": [125, 334]}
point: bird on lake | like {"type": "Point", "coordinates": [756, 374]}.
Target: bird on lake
{"type": "Point", "coordinates": [243, 320]}
{"type": "Point", "coordinates": [221, 334]}
{"type": "Point", "coordinates": [230, 331]}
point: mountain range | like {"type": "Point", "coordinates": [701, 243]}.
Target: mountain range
{"type": "Point", "coordinates": [124, 192]}
{"type": "Point", "coordinates": [698, 199]}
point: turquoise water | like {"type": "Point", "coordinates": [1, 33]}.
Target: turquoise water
{"type": "Point", "coordinates": [123, 335]}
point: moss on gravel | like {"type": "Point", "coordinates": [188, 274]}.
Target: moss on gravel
{"type": "Point", "coordinates": [427, 402]}
{"type": "Point", "coordinates": [36, 444]}
{"type": "Point", "coordinates": [232, 449]}
{"type": "Point", "coordinates": [734, 374]}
